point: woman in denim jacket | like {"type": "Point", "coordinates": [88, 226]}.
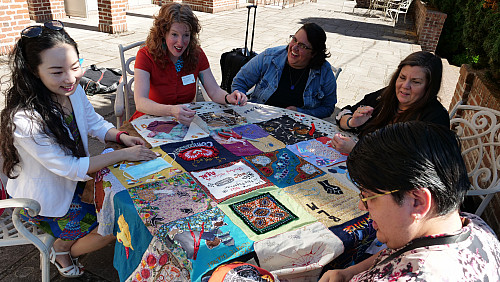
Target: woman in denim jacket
{"type": "Point", "coordinates": [296, 77]}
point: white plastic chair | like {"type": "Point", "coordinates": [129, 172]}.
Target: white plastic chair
{"type": "Point", "coordinates": [125, 90]}
{"type": "Point", "coordinates": [14, 231]}
{"type": "Point", "coordinates": [479, 130]}
{"type": "Point", "coordinates": [397, 7]}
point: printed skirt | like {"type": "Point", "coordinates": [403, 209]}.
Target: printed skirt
{"type": "Point", "coordinates": [79, 221]}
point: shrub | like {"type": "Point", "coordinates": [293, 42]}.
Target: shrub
{"type": "Point", "coordinates": [471, 33]}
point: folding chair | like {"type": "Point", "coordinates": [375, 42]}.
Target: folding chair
{"type": "Point", "coordinates": [479, 130]}
{"type": "Point", "coordinates": [396, 7]}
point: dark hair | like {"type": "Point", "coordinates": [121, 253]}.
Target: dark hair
{"type": "Point", "coordinates": [27, 92]}
{"type": "Point", "coordinates": [388, 106]}
{"type": "Point", "coordinates": [409, 156]}
{"type": "Point", "coordinates": [174, 13]}
{"type": "Point", "coordinates": [317, 37]}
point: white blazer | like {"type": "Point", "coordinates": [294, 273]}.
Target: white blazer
{"type": "Point", "coordinates": [46, 173]}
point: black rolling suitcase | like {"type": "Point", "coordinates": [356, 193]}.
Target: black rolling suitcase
{"type": "Point", "coordinates": [231, 62]}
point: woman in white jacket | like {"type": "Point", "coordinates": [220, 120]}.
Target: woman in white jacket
{"type": "Point", "coordinates": [44, 141]}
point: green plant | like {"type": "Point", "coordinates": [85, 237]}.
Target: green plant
{"type": "Point", "coordinates": [471, 33]}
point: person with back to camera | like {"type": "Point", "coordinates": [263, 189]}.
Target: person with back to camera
{"type": "Point", "coordinates": [44, 142]}
{"type": "Point", "coordinates": [296, 77]}
{"type": "Point", "coordinates": [166, 68]}
{"type": "Point", "coordinates": [410, 95]}
{"type": "Point", "coordinates": [413, 180]}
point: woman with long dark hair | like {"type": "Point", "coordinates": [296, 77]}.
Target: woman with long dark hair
{"type": "Point", "coordinates": [410, 95]}
{"type": "Point", "coordinates": [44, 142]}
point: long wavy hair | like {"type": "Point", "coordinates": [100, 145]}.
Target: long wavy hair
{"type": "Point", "coordinates": [174, 13]}
{"type": "Point", "coordinates": [388, 107]}
{"type": "Point", "coordinates": [28, 93]}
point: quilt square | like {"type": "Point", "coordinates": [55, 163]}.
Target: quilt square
{"type": "Point", "coordinates": [284, 168]}
{"type": "Point", "coordinates": [251, 131]}
{"type": "Point", "coordinates": [317, 153]}
{"type": "Point", "coordinates": [263, 213]}
{"type": "Point", "coordinates": [203, 153]}
{"type": "Point", "coordinates": [258, 112]}
{"type": "Point", "coordinates": [222, 119]}
{"type": "Point", "coordinates": [229, 180]}
{"type": "Point", "coordinates": [239, 147]}
{"type": "Point", "coordinates": [168, 200]}
{"type": "Point", "coordinates": [205, 240]}
{"type": "Point", "coordinates": [288, 130]}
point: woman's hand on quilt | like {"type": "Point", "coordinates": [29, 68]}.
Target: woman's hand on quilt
{"type": "Point", "coordinates": [361, 116]}
{"type": "Point", "coordinates": [237, 98]}
{"type": "Point", "coordinates": [130, 141]}
{"type": "Point", "coordinates": [336, 275]}
{"type": "Point", "coordinates": [138, 153]}
{"type": "Point", "coordinates": [183, 114]}
{"type": "Point", "coordinates": [342, 143]}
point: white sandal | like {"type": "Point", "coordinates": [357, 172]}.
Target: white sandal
{"type": "Point", "coordinates": [71, 271]}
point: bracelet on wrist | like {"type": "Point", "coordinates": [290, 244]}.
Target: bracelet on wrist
{"type": "Point", "coordinates": [118, 137]}
{"type": "Point", "coordinates": [225, 98]}
{"type": "Point", "coordinates": [347, 123]}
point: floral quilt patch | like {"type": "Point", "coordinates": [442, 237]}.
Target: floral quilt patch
{"type": "Point", "coordinates": [169, 199]}
{"type": "Point", "coordinates": [317, 153]}
{"type": "Point", "coordinates": [223, 119]}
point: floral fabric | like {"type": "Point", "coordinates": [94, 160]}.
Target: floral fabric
{"type": "Point", "coordinates": [475, 259]}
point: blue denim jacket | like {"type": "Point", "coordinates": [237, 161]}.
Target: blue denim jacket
{"type": "Point", "coordinates": [264, 71]}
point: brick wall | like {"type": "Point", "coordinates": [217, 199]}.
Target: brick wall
{"type": "Point", "coordinates": [44, 10]}
{"type": "Point", "coordinates": [473, 90]}
{"type": "Point", "coordinates": [14, 17]}
{"type": "Point", "coordinates": [112, 15]}
{"type": "Point", "coordinates": [429, 23]}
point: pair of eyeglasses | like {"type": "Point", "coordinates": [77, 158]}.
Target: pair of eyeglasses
{"type": "Point", "coordinates": [364, 200]}
{"type": "Point", "coordinates": [36, 30]}
{"type": "Point", "coordinates": [301, 45]}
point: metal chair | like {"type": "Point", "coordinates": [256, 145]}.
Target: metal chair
{"type": "Point", "coordinates": [348, 2]}
{"type": "Point", "coordinates": [336, 72]}
{"type": "Point", "coordinates": [479, 130]}
{"type": "Point", "coordinates": [125, 90]}
{"type": "Point", "coordinates": [396, 7]}
{"type": "Point", "coordinates": [14, 231]}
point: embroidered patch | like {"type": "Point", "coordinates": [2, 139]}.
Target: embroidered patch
{"type": "Point", "coordinates": [317, 153]}
{"type": "Point", "coordinates": [223, 119]}
{"type": "Point", "coordinates": [229, 180]}
{"type": "Point", "coordinates": [169, 199]}
{"type": "Point", "coordinates": [203, 153]}
{"type": "Point", "coordinates": [288, 130]}
{"type": "Point", "coordinates": [283, 167]}
{"type": "Point", "coordinates": [263, 213]}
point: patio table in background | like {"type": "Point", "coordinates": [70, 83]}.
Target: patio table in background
{"type": "Point", "coordinates": [272, 195]}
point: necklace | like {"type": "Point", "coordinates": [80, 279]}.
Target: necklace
{"type": "Point", "coordinates": [292, 85]}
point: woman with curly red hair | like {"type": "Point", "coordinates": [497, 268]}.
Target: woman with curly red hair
{"type": "Point", "coordinates": [167, 67]}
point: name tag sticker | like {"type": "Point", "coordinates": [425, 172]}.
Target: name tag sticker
{"type": "Point", "coordinates": [188, 79]}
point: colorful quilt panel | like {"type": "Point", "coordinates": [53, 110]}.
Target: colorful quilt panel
{"type": "Point", "coordinates": [118, 171]}
{"type": "Point", "coordinates": [284, 168]}
{"type": "Point", "coordinates": [199, 154]}
{"type": "Point", "coordinates": [288, 130]}
{"type": "Point", "coordinates": [262, 213]}
{"type": "Point", "coordinates": [325, 198]}
{"type": "Point", "coordinates": [317, 153]}
{"type": "Point", "coordinates": [203, 241]}
{"type": "Point", "coordinates": [223, 119]}
{"type": "Point", "coordinates": [239, 147]}
{"type": "Point", "coordinates": [169, 199]}
{"type": "Point", "coordinates": [302, 216]}
{"type": "Point", "coordinates": [258, 112]}
{"type": "Point", "coordinates": [229, 180]}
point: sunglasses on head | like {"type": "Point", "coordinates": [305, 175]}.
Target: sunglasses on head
{"type": "Point", "coordinates": [36, 30]}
